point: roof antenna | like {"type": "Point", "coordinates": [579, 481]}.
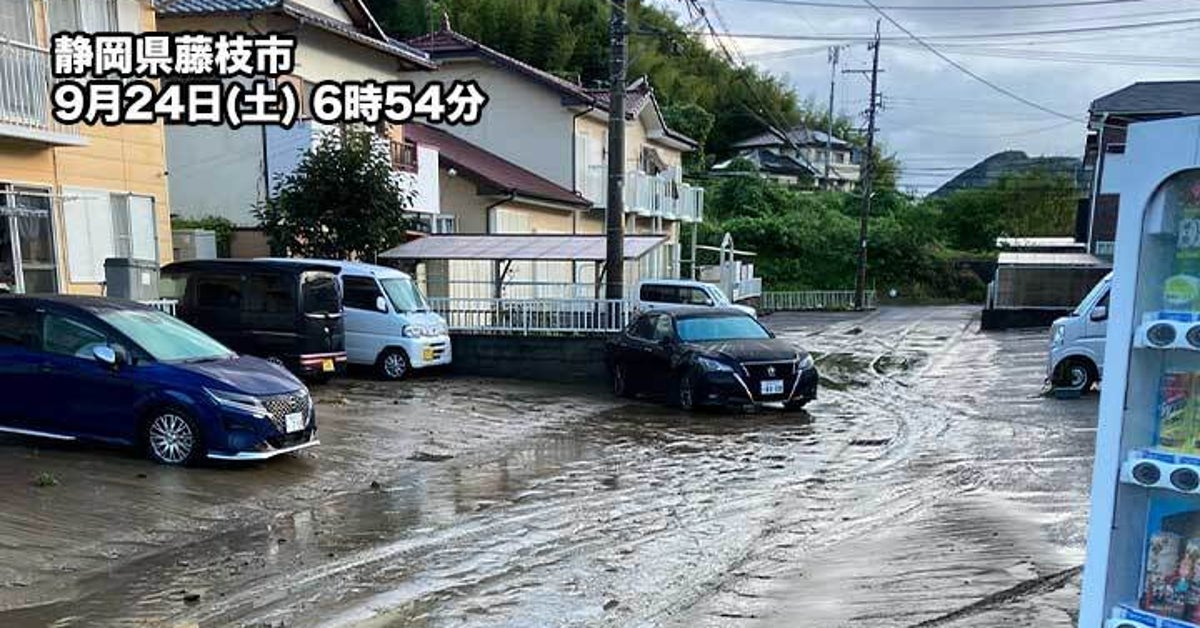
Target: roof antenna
{"type": "Point", "coordinates": [446, 21]}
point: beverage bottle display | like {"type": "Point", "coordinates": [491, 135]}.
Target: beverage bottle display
{"type": "Point", "coordinates": [1181, 291]}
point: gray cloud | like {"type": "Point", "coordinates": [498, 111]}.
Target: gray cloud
{"type": "Point", "coordinates": [938, 119]}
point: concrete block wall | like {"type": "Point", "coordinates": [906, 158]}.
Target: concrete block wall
{"type": "Point", "coordinates": [563, 359]}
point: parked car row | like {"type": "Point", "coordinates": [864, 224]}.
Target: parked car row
{"type": "Point", "coordinates": [312, 316]}
{"type": "Point", "coordinates": [221, 379]}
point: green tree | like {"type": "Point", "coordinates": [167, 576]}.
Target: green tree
{"type": "Point", "coordinates": [695, 122]}
{"type": "Point", "coordinates": [343, 201]}
{"type": "Point", "coordinates": [1030, 204]}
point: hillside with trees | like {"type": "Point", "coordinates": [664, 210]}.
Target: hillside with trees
{"type": "Point", "coordinates": [703, 95]}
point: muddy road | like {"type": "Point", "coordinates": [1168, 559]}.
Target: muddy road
{"type": "Point", "coordinates": [929, 486]}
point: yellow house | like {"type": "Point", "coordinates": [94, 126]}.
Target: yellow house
{"type": "Point", "coordinates": [70, 197]}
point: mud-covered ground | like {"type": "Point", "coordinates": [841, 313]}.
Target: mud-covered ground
{"type": "Point", "coordinates": [929, 486]}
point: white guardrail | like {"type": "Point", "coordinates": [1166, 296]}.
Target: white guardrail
{"type": "Point", "coordinates": [814, 300]}
{"type": "Point", "coordinates": [529, 316]}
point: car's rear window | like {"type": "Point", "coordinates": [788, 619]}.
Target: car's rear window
{"type": "Point", "coordinates": [321, 294]}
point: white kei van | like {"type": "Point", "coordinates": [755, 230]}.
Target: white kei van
{"type": "Point", "coordinates": [1077, 341]}
{"type": "Point", "coordinates": [388, 323]}
{"type": "Point", "coordinates": [654, 293]}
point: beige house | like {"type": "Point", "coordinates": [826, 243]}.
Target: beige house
{"type": "Point", "coordinates": [557, 130]}
{"type": "Point", "coordinates": [71, 197]}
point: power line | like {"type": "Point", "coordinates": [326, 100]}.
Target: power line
{"type": "Point", "coordinates": [973, 36]}
{"type": "Point", "coordinates": [967, 71]}
{"type": "Point", "coordinates": [967, 7]}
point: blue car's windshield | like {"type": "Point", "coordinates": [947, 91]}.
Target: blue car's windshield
{"type": "Point", "coordinates": [705, 328]}
{"type": "Point", "coordinates": [165, 337]}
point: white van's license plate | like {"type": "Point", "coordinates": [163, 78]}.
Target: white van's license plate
{"type": "Point", "coordinates": [772, 387]}
{"type": "Point", "coordinates": [294, 422]}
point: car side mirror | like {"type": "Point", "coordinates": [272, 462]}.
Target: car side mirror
{"type": "Point", "coordinates": [1099, 313]}
{"type": "Point", "coordinates": [105, 355]}
{"type": "Point", "coordinates": [381, 304]}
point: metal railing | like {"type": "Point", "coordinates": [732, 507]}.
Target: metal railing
{"type": "Point", "coordinates": [25, 83]}
{"type": "Point", "coordinates": [814, 300]}
{"type": "Point", "coordinates": [748, 288]}
{"type": "Point", "coordinates": [533, 316]}
{"type": "Point", "coordinates": [166, 305]}
{"type": "Point", "coordinates": [647, 195]}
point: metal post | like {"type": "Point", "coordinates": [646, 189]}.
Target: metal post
{"type": "Point", "coordinates": [834, 52]}
{"type": "Point", "coordinates": [615, 206]}
{"type": "Point", "coordinates": [860, 280]}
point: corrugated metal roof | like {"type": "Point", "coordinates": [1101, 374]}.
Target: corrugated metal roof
{"type": "Point", "coordinates": [527, 247]}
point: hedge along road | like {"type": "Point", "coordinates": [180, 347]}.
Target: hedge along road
{"type": "Point", "coordinates": [929, 485]}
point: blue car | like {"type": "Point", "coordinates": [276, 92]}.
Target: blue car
{"type": "Point", "coordinates": [76, 368]}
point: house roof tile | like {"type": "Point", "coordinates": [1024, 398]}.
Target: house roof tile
{"type": "Point", "coordinates": [349, 31]}
{"type": "Point", "coordinates": [1151, 97]}
{"type": "Point", "coordinates": [489, 169]}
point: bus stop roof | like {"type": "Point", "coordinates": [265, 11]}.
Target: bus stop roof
{"type": "Point", "coordinates": [525, 247]}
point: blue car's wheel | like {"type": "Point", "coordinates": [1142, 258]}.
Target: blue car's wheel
{"type": "Point", "coordinates": [172, 438]}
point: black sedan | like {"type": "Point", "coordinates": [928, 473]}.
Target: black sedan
{"type": "Point", "coordinates": [711, 357]}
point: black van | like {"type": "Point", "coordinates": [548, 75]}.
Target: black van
{"type": "Point", "coordinates": [286, 312]}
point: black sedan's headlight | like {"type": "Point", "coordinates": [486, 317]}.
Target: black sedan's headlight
{"type": "Point", "coordinates": [804, 361]}
{"type": "Point", "coordinates": [713, 366]}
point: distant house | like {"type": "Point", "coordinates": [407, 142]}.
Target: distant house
{"type": "Point", "coordinates": [1009, 162]}
{"type": "Point", "coordinates": [1108, 118]}
{"type": "Point", "coordinates": [804, 147]}
{"type": "Point", "coordinates": [225, 172]}
{"type": "Point", "coordinates": [768, 163]}
{"type": "Point", "coordinates": [556, 130]}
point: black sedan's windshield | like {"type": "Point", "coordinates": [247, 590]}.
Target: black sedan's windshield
{"type": "Point", "coordinates": [705, 328]}
{"type": "Point", "coordinates": [164, 337]}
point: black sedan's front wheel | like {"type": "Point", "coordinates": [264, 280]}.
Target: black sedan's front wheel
{"type": "Point", "coordinates": [620, 380]}
{"type": "Point", "coordinates": [685, 391]}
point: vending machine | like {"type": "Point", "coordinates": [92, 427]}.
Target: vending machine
{"type": "Point", "coordinates": [1143, 555]}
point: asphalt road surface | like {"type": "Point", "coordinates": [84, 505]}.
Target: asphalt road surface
{"type": "Point", "coordinates": [930, 485]}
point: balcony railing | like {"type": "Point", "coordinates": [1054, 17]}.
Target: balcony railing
{"type": "Point", "coordinates": [648, 195]}
{"type": "Point", "coordinates": [25, 82]}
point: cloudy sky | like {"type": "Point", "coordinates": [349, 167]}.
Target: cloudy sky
{"type": "Point", "coordinates": [937, 119]}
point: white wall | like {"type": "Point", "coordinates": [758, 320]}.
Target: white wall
{"type": "Point", "coordinates": [522, 122]}
{"type": "Point", "coordinates": [215, 171]}
{"type": "Point", "coordinates": [428, 200]}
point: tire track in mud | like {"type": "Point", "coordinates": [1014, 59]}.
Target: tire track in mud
{"type": "Point", "coordinates": [918, 424]}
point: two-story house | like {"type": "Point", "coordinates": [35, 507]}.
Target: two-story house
{"type": "Point", "coordinates": [71, 197]}
{"type": "Point", "coordinates": [799, 155]}
{"type": "Point", "coordinates": [1108, 118]}
{"type": "Point", "coordinates": [557, 130]}
{"type": "Point", "coordinates": [226, 172]}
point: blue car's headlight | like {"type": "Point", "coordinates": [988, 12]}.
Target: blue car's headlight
{"type": "Point", "coordinates": [237, 401]}
{"type": "Point", "coordinates": [805, 362]}
{"type": "Point", "coordinates": [712, 365]}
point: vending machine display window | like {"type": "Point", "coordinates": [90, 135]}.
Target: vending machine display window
{"type": "Point", "coordinates": [1143, 567]}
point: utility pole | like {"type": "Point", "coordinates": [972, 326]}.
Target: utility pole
{"type": "Point", "coordinates": [868, 174]}
{"type": "Point", "coordinates": [614, 218]}
{"type": "Point", "coordinates": [834, 53]}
